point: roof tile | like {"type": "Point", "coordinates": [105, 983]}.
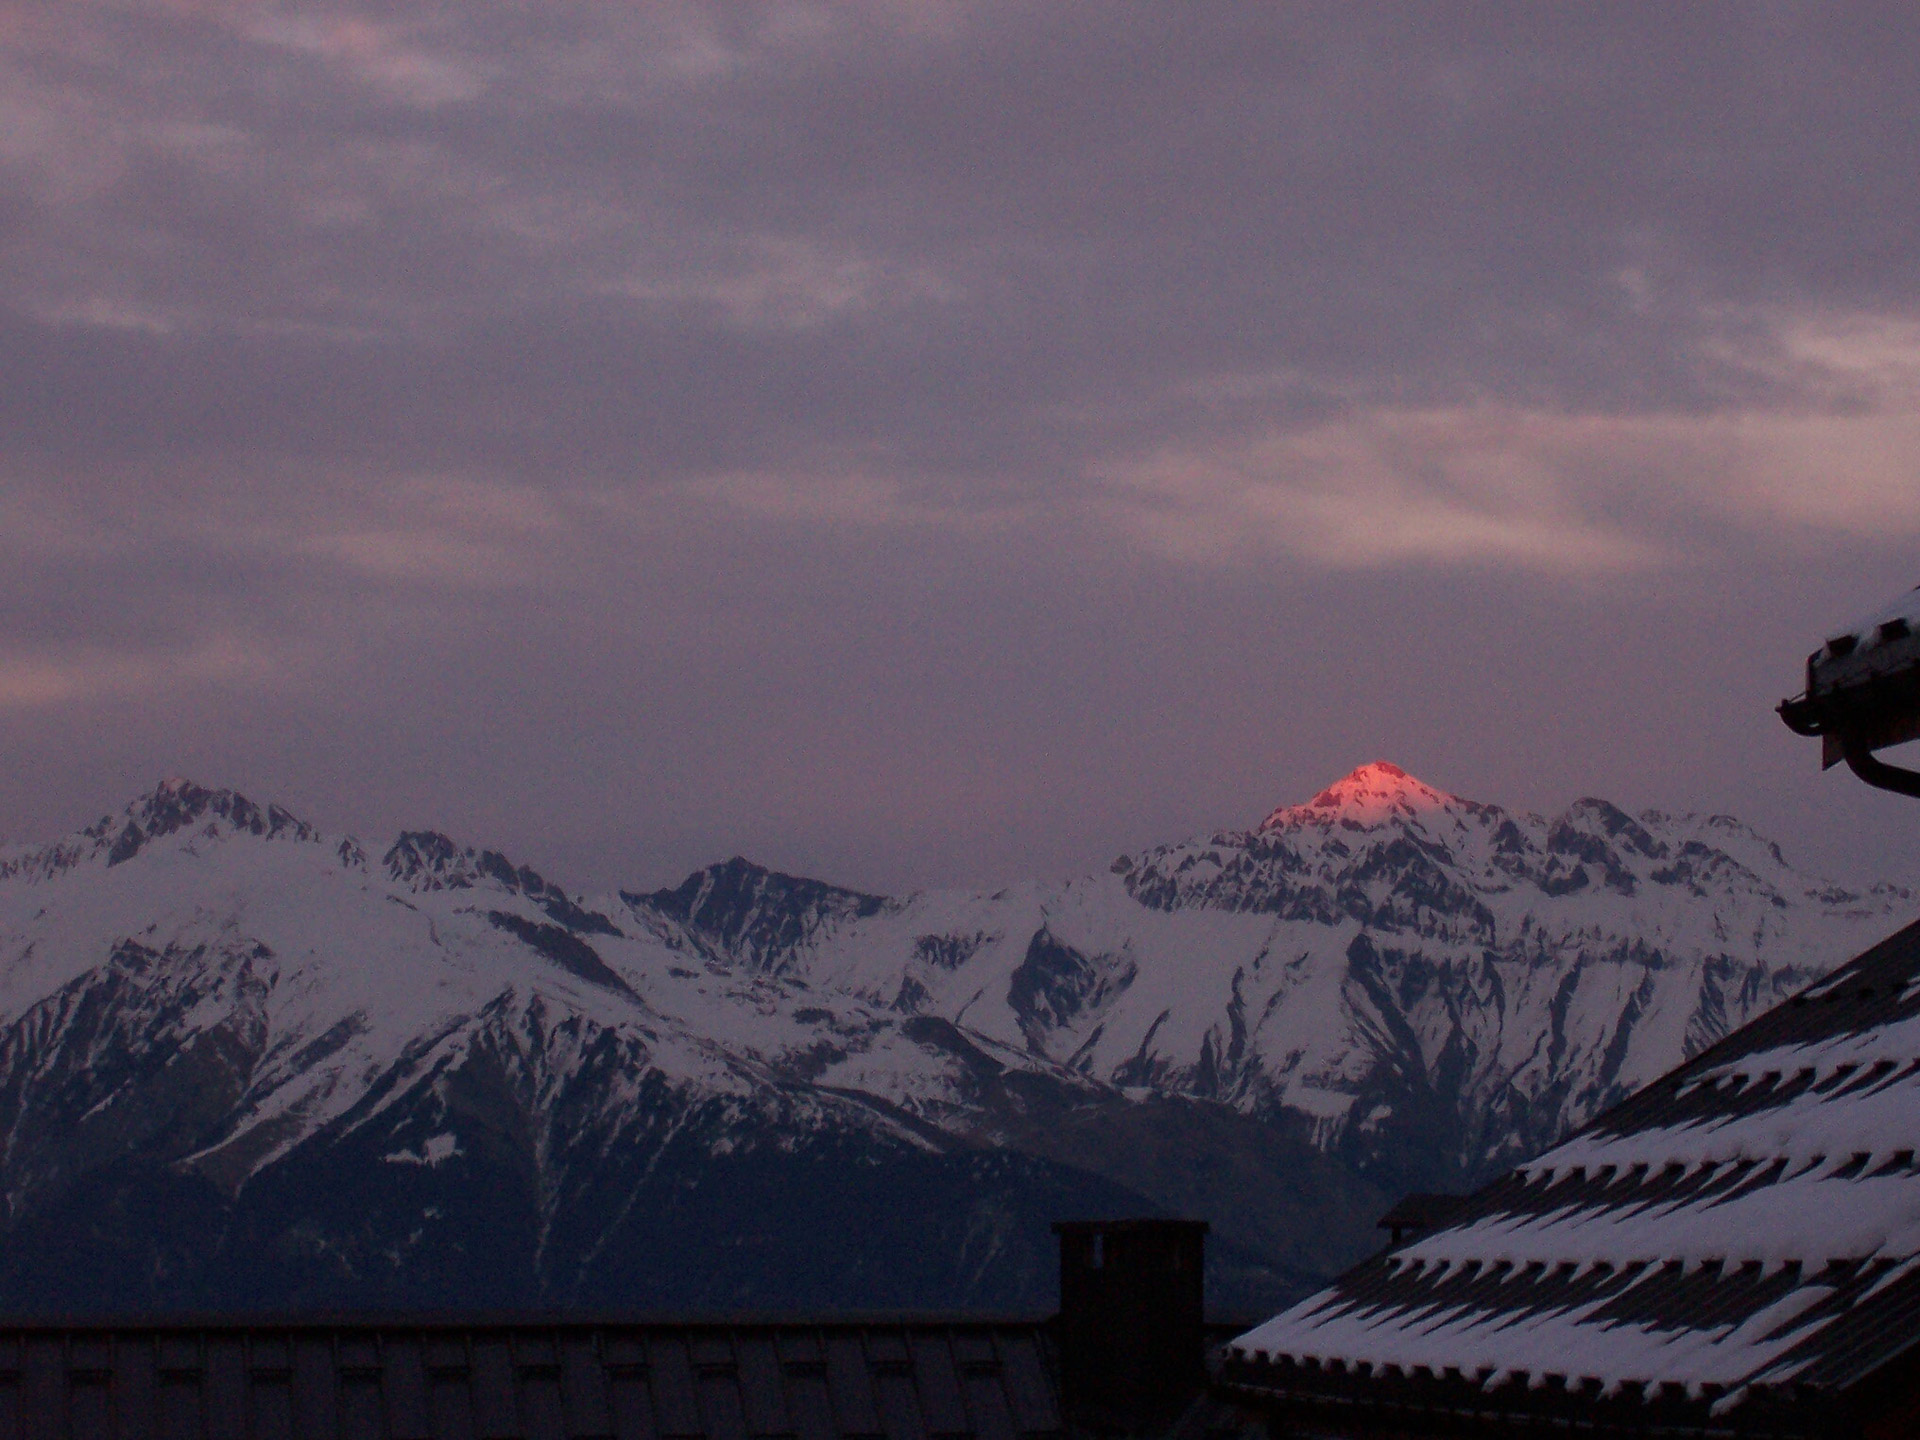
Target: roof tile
{"type": "Point", "coordinates": [1730, 1232]}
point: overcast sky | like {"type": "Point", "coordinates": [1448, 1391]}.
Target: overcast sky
{"type": "Point", "coordinates": [928, 443]}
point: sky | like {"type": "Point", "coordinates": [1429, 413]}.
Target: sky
{"type": "Point", "coordinates": [928, 443]}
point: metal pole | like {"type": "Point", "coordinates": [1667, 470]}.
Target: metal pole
{"type": "Point", "coordinates": [1861, 761]}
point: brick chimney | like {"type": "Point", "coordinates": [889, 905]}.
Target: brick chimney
{"type": "Point", "coordinates": [1132, 1311]}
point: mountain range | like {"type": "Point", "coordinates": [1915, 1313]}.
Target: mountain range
{"type": "Point", "coordinates": [248, 1066]}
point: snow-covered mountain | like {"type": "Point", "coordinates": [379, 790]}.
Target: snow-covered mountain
{"type": "Point", "coordinates": [243, 1063]}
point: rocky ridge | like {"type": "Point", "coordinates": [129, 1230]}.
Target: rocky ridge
{"type": "Point", "coordinates": [244, 1063]}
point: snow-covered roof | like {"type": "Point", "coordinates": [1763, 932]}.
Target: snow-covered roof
{"type": "Point", "coordinates": [1886, 643]}
{"type": "Point", "coordinates": [1736, 1242]}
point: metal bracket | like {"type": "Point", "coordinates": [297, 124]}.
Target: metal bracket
{"type": "Point", "coordinates": [1861, 761]}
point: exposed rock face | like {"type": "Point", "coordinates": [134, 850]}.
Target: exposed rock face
{"type": "Point", "coordinates": [242, 1064]}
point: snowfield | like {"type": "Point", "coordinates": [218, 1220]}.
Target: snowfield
{"type": "Point", "coordinates": [1420, 987]}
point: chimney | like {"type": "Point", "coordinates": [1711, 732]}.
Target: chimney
{"type": "Point", "coordinates": [1416, 1214]}
{"type": "Point", "coordinates": [1132, 1312]}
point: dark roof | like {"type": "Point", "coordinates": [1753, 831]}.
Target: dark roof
{"type": "Point", "coordinates": [398, 1379]}
{"type": "Point", "coordinates": [1419, 1212]}
{"type": "Point", "coordinates": [1154, 1226]}
{"type": "Point", "coordinates": [1734, 1248]}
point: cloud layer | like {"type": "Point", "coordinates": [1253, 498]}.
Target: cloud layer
{"type": "Point", "coordinates": [933, 439]}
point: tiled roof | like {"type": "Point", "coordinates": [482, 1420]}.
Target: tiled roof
{"type": "Point", "coordinates": [410, 1380]}
{"type": "Point", "coordinates": [1736, 1247]}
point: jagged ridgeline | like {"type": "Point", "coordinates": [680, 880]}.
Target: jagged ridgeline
{"type": "Point", "coordinates": [246, 1065]}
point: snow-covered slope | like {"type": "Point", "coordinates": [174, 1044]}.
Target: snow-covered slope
{"type": "Point", "coordinates": [1427, 984]}
{"type": "Point", "coordinates": [353, 1075]}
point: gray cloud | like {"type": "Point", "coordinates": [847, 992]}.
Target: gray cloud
{"type": "Point", "coordinates": [928, 440]}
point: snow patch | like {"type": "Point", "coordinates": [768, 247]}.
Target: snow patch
{"type": "Point", "coordinates": [437, 1150]}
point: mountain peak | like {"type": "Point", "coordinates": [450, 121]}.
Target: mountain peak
{"type": "Point", "coordinates": [1372, 793]}
{"type": "Point", "coordinates": [175, 804]}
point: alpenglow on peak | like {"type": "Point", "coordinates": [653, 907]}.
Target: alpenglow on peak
{"type": "Point", "coordinates": [1372, 793]}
